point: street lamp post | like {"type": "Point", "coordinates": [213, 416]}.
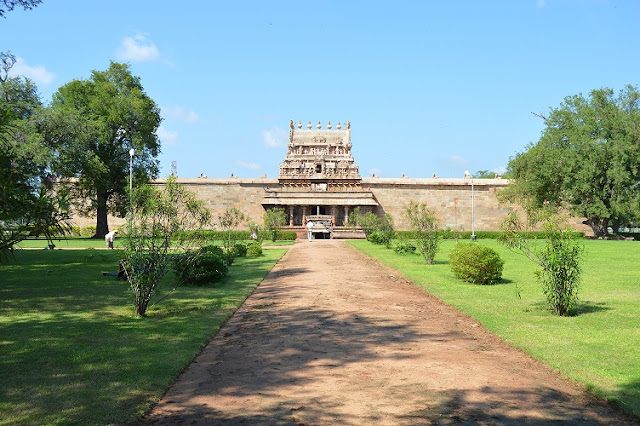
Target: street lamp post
{"type": "Point", "coordinates": [473, 212]}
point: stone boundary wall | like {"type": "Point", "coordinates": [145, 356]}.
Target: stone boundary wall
{"type": "Point", "coordinates": [449, 198]}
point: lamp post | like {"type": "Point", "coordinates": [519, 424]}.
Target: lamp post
{"type": "Point", "coordinates": [473, 212]}
{"type": "Point", "coordinates": [131, 154]}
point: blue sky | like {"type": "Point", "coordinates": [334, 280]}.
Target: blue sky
{"type": "Point", "coordinates": [429, 86]}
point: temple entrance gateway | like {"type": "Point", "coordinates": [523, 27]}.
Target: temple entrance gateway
{"type": "Point", "coordinates": [319, 178]}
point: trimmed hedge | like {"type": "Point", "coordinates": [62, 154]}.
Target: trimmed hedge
{"type": "Point", "coordinates": [482, 235]}
{"type": "Point", "coordinates": [475, 263]}
{"type": "Point", "coordinates": [211, 234]}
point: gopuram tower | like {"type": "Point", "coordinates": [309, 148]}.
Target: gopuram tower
{"type": "Point", "coordinates": [319, 180]}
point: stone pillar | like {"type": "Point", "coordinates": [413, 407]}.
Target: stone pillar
{"type": "Point", "coordinates": [291, 216]}
{"type": "Point", "coordinates": [333, 215]}
{"type": "Point", "coordinates": [346, 215]}
{"type": "Point", "coordinates": [304, 215]}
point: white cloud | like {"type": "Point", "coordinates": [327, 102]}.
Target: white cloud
{"type": "Point", "coordinates": [500, 170]}
{"type": "Point", "coordinates": [251, 166]}
{"type": "Point", "coordinates": [137, 48]}
{"type": "Point", "coordinates": [37, 73]}
{"type": "Point", "coordinates": [457, 160]}
{"type": "Point", "coordinates": [177, 112]}
{"type": "Point", "coordinates": [275, 137]}
{"type": "Point", "coordinates": [168, 137]}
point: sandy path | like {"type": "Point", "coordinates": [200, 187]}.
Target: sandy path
{"type": "Point", "coordinates": [333, 337]}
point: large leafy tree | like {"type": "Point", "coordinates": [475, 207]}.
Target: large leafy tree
{"type": "Point", "coordinates": [9, 5]}
{"type": "Point", "coordinates": [586, 160]}
{"type": "Point", "coordinates": [93, 124]}
{"type": "Point", "coordinates": [29, 203]}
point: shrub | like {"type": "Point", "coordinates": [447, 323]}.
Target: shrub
{"type": "Point", "coordinates": [369, 222]}
{"type": "Point", "coordinates": [274, 219]}
{"type": "Point", "coordinates": [425, 228]}
{"type": "Point", "coordinates": [560, 258]}
{"type": "Point", "coordinates": [404, 247]}
{"type": "Point", "coordinates": [230, 219]}
{"type": "Point", "coordinates": [204, 266]}
{"type": "Point", "coordinates": [239, 250]}
{"type": "Point", "coordinates": [378, 238]}
{"type": "Point", "coordinates": [88, 231]}
{"type": "Point", "coordinates": [229, 255]}
{"type": "Point", "coordinates": [254, 249]}
{"type": "Point", "coordinates": [476, 263]}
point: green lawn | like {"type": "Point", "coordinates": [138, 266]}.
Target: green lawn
{"type": "Point", "coordinates": [71, 350]}
{"type": "Point", "coordinates": [599, 347]}
{"type": "Point", "coordinates": [71, 242]}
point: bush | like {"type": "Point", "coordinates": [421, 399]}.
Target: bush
{"type": "Point", "coordinates": [560, 258]}
{"type": "Point", "coordinates": [476, 263]}
{"type": "Point", "coordinates": [205, 266]}
{"type": "Point", "coordinates": [88, 231]}
{"type": "Point", "coordinates": [404, 247]}
{"type": "Point", "coordinates": [240, 250]}
{"type": "Point", "coordinates": [379, 238]}
{"type": "Point", "coordinates": [254, 249]}
{"type": "Point", "coordinates": [425, 228]}
{"type": "Point", "coordinates": [229, 255]}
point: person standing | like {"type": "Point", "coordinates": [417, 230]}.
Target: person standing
{"type": "Point", "coordinates": [109, 238]}
{"type": "Point", "coordinates": [310, 230]}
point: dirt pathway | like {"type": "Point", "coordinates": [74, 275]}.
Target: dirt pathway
{"type": "Point", "coordinates": [333, 337]}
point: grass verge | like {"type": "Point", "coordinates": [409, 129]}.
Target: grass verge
{"type": "Point", "coordinates": [598, 347]}
{"type": "Point", "coordinates": [71, 350]}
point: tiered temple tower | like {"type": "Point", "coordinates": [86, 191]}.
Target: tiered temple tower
{"type": "Point", "coordinates": [319, 179]}
{"type": "Point", "coordinates": [319, 155]}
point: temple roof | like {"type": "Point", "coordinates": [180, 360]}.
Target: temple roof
{"type": "Point", "coordinates": [319, 154]}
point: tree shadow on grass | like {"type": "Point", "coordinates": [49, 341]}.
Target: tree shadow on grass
{"type": "Point", "coordinates": [588, 307]}
{"type": "Point", "coordinates": [628, 397]}
{"type": "Point", "coordinates": [582, 308]}
{"type": "Point", "coordinates": [70, 355]}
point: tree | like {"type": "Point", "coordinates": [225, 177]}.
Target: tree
{"type": "Point", "coordinates": [425, 225]}
{"type": "Point", "coordinates": [7, 61]}
{"type": "Point", "coordinates": [228, 221]}
{"type": "Point", "coordinates": [9, 5]}
{"type": "Point", "coordinates": [560, 257]}
{"type": "Point", "coordinates": [274, 219]}
{"type": "Point", "coordinates": [158, 223]}
{"type": "Point", "coordinates": [484, 174]}
{"type": "Point", "coordinates": [30, 205]}
{"type": "Point", "coordinates": [369, 222]}
{"type": "Point", "coordinates": [92, 124]}
{"type": "Point", "coordinates": [586, 160]}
